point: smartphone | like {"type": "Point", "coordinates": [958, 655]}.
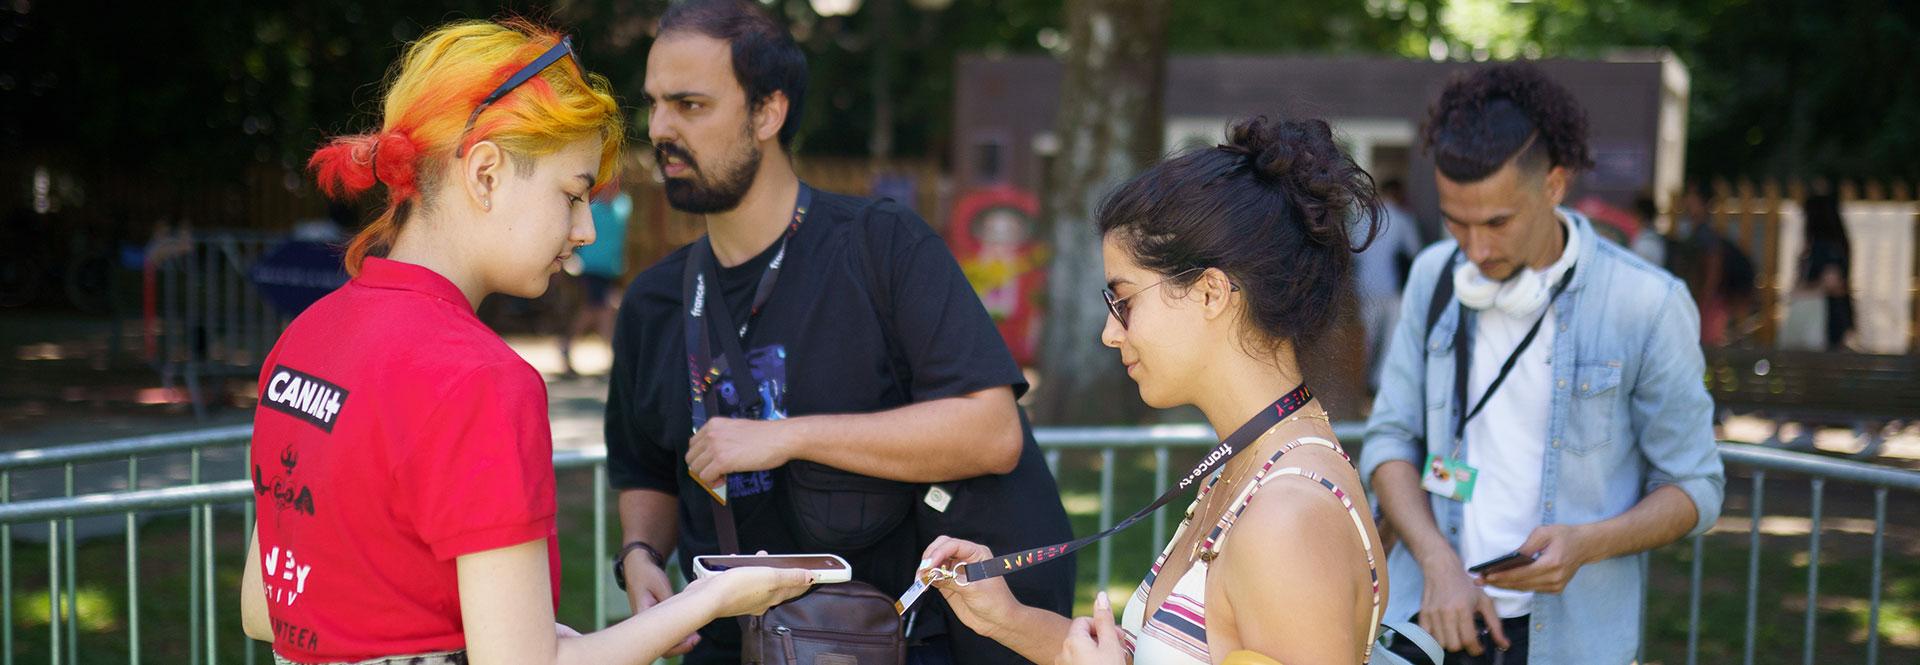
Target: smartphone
{"type": "Point", "coordinates": [1507, 562]}
{"type": "Point", "coordinates": [826, 568]}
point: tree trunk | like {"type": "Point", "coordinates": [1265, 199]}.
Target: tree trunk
{"type": "Point", "coordinates": [1109, 129]}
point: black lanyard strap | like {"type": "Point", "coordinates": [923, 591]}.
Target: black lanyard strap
{"type": "Point", "coordinates": [699, 283]}
{"type": "Point", "coordinates": [1463, 360]}
{"type": "Point", "coordinates": [1241, 439]}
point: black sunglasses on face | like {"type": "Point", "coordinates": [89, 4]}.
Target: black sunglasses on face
{"type": "Point", "coordinates": [564, 49]}
{"type": "Point", "coordinates": [1121, 309]}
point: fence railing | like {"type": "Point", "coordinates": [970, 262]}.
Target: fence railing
{"type": "Point", "coordinates": [63, 607]}
{"type": "Point", "coordinates": [202, 316]}
{"type": "Point", "coordinates": [201, 500]}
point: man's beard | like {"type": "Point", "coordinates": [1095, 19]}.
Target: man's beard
{"type": "Point", "coordinates": [701, 195]}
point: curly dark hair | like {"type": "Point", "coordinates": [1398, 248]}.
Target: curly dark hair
{"type": "Point", "coordinates": [1278, 208]}
{"type": "Point", "coordinates": [1487, 116]}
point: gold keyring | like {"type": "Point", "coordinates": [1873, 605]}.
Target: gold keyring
{"type": "Point", "coordinates": [937, 575]}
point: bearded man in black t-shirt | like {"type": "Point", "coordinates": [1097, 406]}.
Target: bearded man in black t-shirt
{"type": "Point", "coordinates": [871, 366]}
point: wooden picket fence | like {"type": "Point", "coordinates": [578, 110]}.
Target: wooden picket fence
{"type": "Point", "coordinates": [1750, 214]}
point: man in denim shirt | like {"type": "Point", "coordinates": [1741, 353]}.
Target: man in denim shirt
{"type": "Point", "coordinates": [1579, 431]}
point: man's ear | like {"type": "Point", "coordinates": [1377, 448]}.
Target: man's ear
{"type": "Point", "coordinates": [771, 116]}
{"type": "Point", "coordinates": [1557, 180]}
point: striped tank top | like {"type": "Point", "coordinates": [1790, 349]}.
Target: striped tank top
{"type": "Point", "coordinates": [1176, 634]}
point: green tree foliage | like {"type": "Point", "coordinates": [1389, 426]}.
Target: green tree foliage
{"type": "Point", "coordinates": [205, 87]}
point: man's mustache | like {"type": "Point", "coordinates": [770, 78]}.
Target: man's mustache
{"type": "Point", "coordinates": [661, 151]}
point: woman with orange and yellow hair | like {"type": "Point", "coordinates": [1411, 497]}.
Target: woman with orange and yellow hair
{"type": "Point", "coordinates": [402, 456]}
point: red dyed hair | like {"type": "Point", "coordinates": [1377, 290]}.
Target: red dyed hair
{"type": "Point", "coordinates": [439, 82]}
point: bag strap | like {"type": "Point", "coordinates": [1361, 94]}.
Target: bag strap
{"type": "Point", "coordinates": [1412, 632]}
{"type": "Point", "coordinates": [1442, 295]}
{"type": "Point", "coordinates": [742, 373]}
{"type": "Point", "coordinates": [879, 290]}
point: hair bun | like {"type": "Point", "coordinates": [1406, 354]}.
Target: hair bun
{"type": "Point", "coordinates": [348, 166]}
{"type": "Point", "coordinates": [1303, 157]}
{"type": "Point", "coordinates": [395, 161]}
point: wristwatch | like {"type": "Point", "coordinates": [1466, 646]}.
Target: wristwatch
{"type": "Point", "coordinates": [620, 561]}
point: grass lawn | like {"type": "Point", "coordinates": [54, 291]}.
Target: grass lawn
{"type": "Point", "coordinates": [1840, 623]}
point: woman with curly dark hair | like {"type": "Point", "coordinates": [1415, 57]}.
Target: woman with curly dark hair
{"type": "Point", "coordinates": [1224, 267]}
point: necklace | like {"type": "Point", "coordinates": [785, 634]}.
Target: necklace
{"type": "Point", "coordinates": [1226, 482]}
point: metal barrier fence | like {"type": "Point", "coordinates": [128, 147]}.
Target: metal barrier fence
{"type": "Point", "coordinates": [200, 499]}
{"type": "Point", "coordinates": [203, 318]}
{"type": "Point", "coordinates": [60, 530]}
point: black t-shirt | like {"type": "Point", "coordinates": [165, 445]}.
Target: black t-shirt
{"type": "Point", "coordinates": [868, 313]}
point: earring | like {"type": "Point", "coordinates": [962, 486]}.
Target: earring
{"type": "Point", "coordinates": [486, 204]}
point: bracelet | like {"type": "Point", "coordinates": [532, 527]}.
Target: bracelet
{"type": "Point", "coordinates": [620, 561]}
{"type": "Point", "coordinates": [658, 559]}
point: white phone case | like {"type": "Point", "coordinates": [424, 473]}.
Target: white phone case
{"type": "Point", "coordinates": [842, 573]}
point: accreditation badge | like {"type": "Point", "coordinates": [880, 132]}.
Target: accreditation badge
{"type": "Point", "coordinates": [1449, 477]}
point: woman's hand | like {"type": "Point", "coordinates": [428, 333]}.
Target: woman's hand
{"type": "Point", "coordinates": [983, 605]}
{"type": "Point", "coordinates": [750, 590]}
{"type": "Point", "coordinates": [1093, 640]}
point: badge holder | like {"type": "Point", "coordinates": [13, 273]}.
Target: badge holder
{"type": "Point", "coordinates": [1449, 477]}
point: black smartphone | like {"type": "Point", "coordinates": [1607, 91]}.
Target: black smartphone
{"type": "Point", "coordinates": [1507, 562]}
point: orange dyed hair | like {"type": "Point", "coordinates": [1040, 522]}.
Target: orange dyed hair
{"type": "Point", "coordinates": [439, 82]}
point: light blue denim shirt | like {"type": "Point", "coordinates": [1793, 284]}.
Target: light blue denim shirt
{"type": "Point", "coordinates": [1630, 413]}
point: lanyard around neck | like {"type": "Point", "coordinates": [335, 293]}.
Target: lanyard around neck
{"type": "Point", "coordinates": [700, 282]}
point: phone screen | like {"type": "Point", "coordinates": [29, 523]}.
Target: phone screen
{"type": "Point", "coordinates": [800, 561]}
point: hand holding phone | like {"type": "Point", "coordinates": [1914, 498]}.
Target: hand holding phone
{"type": "Point", "coordinates": [1508, 561]}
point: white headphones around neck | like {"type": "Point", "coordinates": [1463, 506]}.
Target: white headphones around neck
{"type": "Point", "coordinates": [1526, 292]}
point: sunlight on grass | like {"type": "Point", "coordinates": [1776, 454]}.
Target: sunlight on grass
{"type": "Point", "coordinates": [1899, 625]}
{"type": "Point", "coordinates": [1081, 503]}
{"type": "Point", "coordinates": [99, 612]}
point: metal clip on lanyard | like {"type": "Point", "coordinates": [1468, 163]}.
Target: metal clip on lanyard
{"type": "Point", "coordinates": [938, 575]}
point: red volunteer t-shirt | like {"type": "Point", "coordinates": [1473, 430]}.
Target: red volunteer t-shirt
{"type": "Point", "coordinates": [395, 432]}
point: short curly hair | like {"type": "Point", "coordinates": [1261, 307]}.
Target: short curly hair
{"type": "Point", "coordinates": [1484, 118]}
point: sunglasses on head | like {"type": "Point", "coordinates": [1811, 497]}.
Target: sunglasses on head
{"type": "Point", "coordinates": [1122, 310]}
{"type": "Point", "coordinates": [564, 49]}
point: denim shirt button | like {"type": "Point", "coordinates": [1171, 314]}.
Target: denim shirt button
{"type": "Point", "coordinates": [1563, 383]}
{"type": "Point", "coordinates": [1538, 627]}
{"type": "Point", "coordinates": [1556, 443]}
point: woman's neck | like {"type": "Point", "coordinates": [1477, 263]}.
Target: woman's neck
{"type": "Point", "coordinates": [1241, 385]}
{"type": "Point", "coordinates": [420, 244]}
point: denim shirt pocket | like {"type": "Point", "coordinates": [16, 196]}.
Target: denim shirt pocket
{"type": "Point", "coordinates": [1595, 401]}
{"type": "Point", "coordinates": [1437, 394]}
{"type": "Point", "coordinates": [1439, 350]}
